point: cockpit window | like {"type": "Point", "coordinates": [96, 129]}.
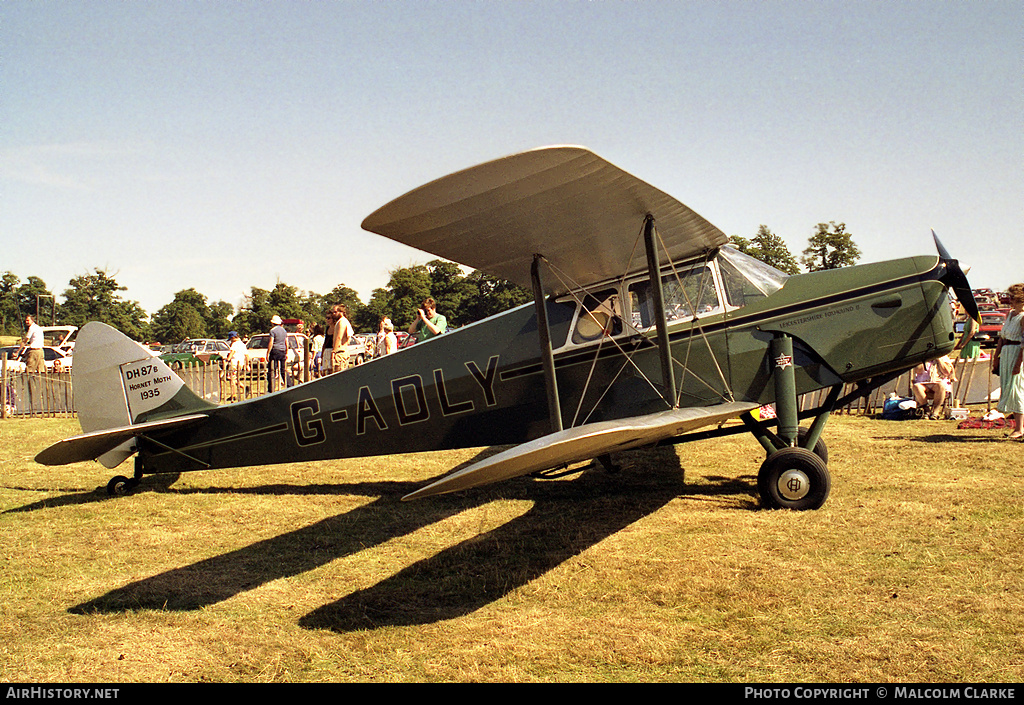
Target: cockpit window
{"type": "Point", "coordinates": [599, 316]}
{"type": "Point", "coordinates": [747, 279]}
{"type": "Point", "coordinates": [688, 294]}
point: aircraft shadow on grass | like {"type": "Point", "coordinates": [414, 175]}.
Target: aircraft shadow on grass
{"type": "Point", "coordinates": [568, 517]}
{"type": "Point", "coordinates": [156, 483]}
{"type": "Point", "coordinates": [985, 436]}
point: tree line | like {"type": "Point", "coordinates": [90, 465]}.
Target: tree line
{"type": "Point", "coordinates": [98, 297]}
{"type": "Point", "coordinates": [830, 247]}
{"type": "Point", "coordinates": [462, 298]}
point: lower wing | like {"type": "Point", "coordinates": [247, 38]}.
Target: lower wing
{"type": "Point", "coordinates": [582, 443]}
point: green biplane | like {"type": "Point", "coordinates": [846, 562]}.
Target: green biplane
{"type": "Point", "coordinates": [645, 328]}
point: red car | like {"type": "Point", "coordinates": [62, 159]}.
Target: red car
{"type": "Point", "coordinates": [991, 324]}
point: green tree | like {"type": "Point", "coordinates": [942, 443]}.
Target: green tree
{"type": "Point", "coordinates": [490, 296]}
{"type": "Point", "coordinates": [378, 307]}
{"type": "Point", "coordinates": [407, 288]}
{"type": "Point", "coordinates": [284, 301]}
{"type": "Point", "coordinates": [254, 314]}
{"type": "Point", "coordinates": [185, 317]}
{"type": "Point", "coordinates": [36, 300]}
{"type": "Point", "coordinates": [450, 289]}
{"type": "Point", "coordinates": [342, 294]}
{"type": "Point", "coordinates": [218, 323]}
{"type": "Point", "coordinates": [743, 245]}
{"type": "Point", "coordinates": [314, 309]}
{"type": "Point", "coordinates": [769, 248]}
{"type": "Point", "coordinates": [177, 321]}
{"type": "Point", "coordinates": [10, 313]}
{"type": "Point", "coordinates": [461, 299]}
{"type": "Point", "coordinates": [94, 297]}
{"type": "Point", "coordinates": [831, 247]}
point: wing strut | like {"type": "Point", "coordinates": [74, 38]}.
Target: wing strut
{"type": "Point", "coordinates": [654, 268]}
{"type": "Point", "coordinates": [546, 354]}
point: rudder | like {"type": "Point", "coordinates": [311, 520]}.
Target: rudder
{"type": "Point", "coordinates": [117, 382]}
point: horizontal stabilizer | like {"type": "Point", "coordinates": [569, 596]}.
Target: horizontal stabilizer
{"type": "Point", "coordinates": [90, 446]}
{"type": "Point", "coordinates": [582, 443]}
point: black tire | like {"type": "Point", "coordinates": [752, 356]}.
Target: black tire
{"type": "Point", "coordinates": [820, 449]}
{"type": "Point", "coordinates": [119, 486]}
{"type": "Point", "coordinates": [793, 478]}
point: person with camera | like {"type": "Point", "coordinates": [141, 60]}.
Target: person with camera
{"type": "Point", "coordinates": [428, 322]}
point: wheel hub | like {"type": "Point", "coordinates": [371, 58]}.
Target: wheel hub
{"type": "Point", "coordinates": [794, 485]}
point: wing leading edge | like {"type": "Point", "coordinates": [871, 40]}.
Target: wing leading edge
{"type": "Point", "coordinates": [582, 443]}
{"type": "Point", "coordinates": [565, 203]}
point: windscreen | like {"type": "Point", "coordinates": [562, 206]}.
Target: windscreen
{"type": "Point", "coordinates": [747, 279]}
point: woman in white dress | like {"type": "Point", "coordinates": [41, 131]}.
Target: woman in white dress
{"type": "Point", "coordinates": [1006, 361]}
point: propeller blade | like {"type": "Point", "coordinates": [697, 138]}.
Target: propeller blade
{"type": "Point", "coordinates": [938, 246]}
{"type": "Point", "coordinates": [956, 280]}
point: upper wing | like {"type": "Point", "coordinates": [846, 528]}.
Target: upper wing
{"type": "Point", "coordinates": [581, 443]}
{"type": "Point", "coordinates": [566, 203]}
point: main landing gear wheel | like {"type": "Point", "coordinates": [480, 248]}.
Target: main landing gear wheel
{"type": "Point", "coordinates": [793, 478]}
{"type": "Point", "coordinates": [120, 485]}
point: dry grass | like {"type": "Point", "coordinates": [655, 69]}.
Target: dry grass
{"type": "Point", "coordinates": [666, 571]}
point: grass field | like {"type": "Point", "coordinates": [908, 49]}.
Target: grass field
{"type": "Point", "coordinates": [665, 571]}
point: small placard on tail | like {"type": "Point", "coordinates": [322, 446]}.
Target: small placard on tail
{"type": "Point", "coordinates": [147, 386]}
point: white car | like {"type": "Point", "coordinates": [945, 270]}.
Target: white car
{"type": "Point", "coordinates": [56, 359]}
{"type": "Point", "coordinates": [62, 337]}
{"type": "Point", "coordinates": [256, 349]}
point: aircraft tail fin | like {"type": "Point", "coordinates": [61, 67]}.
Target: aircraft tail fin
{"type": "Point", "coordinates": [119, 384]}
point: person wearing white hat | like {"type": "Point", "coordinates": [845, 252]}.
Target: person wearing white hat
{"type": "Point", "coordinates": [277, 354]}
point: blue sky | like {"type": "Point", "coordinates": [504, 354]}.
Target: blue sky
{"type": "Point", "coordinates": [224, 145]}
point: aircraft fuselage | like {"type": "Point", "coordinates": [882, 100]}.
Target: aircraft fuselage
{"type": "Point", "coordinates": [483, 384]}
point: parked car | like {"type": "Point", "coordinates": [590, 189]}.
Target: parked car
{"type": "Point", "coordinates": [195, 352]}
{"type": "Point", "coordinates": [57, 360]}
{"type": "Point", "coordinates": [991, 324]}
{"type": "Point", "coordinates": [256, 349]}
{"type": "Point", "coordinates": [62, 337]}
{"type": "Point", "coordinates": [361, 348]}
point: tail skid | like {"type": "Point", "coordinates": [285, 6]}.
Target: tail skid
{"type": "Point", "coordinates": [120, 392]}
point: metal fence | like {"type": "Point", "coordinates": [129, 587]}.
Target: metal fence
{"type": "Point", "coordinates": [51, 395]}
